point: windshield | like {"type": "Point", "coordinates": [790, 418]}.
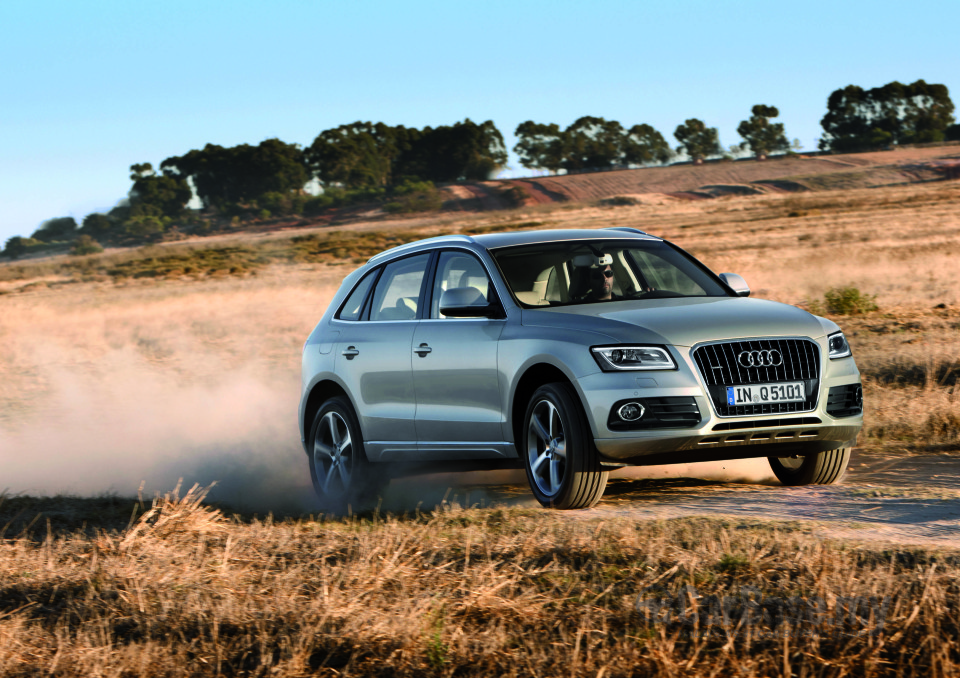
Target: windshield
{"type": "Point", "coordinates": [592, 271]}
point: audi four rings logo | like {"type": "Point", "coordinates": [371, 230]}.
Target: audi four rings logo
{"type": "Point", "coordinates": [770, 358]}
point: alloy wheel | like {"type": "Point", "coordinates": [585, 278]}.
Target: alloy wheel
{"type": "Point", "coordinates": [546, 447]}
{"type": "Point", "coordinates": [333, 456]}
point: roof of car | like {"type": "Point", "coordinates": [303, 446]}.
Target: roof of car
{"type": "Point", "coordinates": [512, 238]}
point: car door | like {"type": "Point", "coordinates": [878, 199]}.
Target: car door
{"type": "Point", "coordinates": [455, 370]}
{"type": "Point", "coordinates": [374, 358]}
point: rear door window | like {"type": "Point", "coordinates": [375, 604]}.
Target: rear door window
{"type": "Point", "coordinates": [397, 294]}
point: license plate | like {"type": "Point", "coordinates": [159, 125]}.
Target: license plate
{"type": "Point", "coordinates": [763, 394]}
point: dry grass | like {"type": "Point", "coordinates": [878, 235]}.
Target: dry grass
{"type": "Point", "coordinates": [186, 591]}
{"type": "Point", "coordinates": [116, 379]}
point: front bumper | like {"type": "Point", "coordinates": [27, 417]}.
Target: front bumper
{"type": "Point", "coordinates": [714, 437]}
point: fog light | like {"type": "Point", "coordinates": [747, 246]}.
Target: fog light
{"type": "Point", "coordinates": [631, 411]}
{"type": "Point", "coordinates": [858, 396]}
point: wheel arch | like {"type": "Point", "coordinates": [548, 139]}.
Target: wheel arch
{"type": "Point", "coordinates": [320, 392]}
{"type": "Point", "coordinates": [534, 377]}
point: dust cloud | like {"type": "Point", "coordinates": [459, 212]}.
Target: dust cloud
{"type": "Point", "coordinates": [103, 388]}
{"type": "Point", "coordinates": [107, 435]}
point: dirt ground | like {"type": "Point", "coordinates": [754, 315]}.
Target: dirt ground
{"type": "Point", "coordinates": [898, 499]}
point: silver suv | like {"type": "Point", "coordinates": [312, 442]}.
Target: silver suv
{"type": "Point", "coordinates": [567, 353]}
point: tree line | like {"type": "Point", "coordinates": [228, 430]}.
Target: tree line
{"type": "Point", "coordinates": [400, 166]}
{"type": "Point", "coordinates": [596, 143]}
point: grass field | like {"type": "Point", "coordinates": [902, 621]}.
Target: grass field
{"type": "Point", "coordinates": [128, 367]}
{"type": "Point", "coordinates": [184, 591]}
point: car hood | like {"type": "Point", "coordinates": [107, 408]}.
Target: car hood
{"type": "Point", "coordinates": [681, 322]}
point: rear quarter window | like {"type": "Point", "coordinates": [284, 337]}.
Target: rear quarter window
{"type": "Point", "coordinates": [353, 306]}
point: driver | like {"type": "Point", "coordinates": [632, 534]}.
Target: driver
{"type": "Point", "coordinates": [601, 284]}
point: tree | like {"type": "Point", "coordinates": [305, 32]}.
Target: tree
{"type": "Point", "coordinates": [61, 228]}
{"type": "Point", "coordinates": [589, 143]}
{"type": "Point", "coordinates": [97, 226]}
{"type": "Point", "coordinates": [241, 173]}
{"type": "Point", "coordinates": [365, 155]}
{"type": "Point", "coordinates": [697, 140]}
{"type": "Point", "coordinates": [539, 146]}
{"type": "Point", "coordinates": [763, 136]}
{"type": "Point", "coordinates": [464, 151]}
{"type": "Point", "coordinates": [644, 145]}
{"type": "Point", "coordinates": [952, 133]}
{"type": "Point", "coordinates": [593, 143]}
{"type": "Point", "coordinates": [153, 195]}
{"type": "Point", "coordinates": [360, 155]}
{"type": "Point", "coordinates": [481, 152]}
{"type": "Point", "coordinates": [16, 247]}
{"type": "Point", "coordinates": [895, 113]}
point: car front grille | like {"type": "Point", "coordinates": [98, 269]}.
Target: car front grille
{"type": "Point", "coordinates": [719, 368]}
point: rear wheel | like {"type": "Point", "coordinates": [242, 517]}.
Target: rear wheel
{"type": "Point", "coordinates": [341, 474]}
{"type": "Point", "coordinates": [822, 468]}
{"type": "Point", "coordinates": [562, 463]}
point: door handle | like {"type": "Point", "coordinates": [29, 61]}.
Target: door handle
{"type": "Point", "coordinates": [350, 352]}
{"type": "Point", "coordinates": [422, 350]}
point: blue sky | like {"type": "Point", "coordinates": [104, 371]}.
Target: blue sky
{"type": "Point", "coordinates": [89, 88]}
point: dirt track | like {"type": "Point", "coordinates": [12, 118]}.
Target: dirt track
{"type": "Point", "coordinates": [898, 499]}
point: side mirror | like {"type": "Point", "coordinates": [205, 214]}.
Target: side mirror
{"type": "Point", "coordinates": [466, 302]}
{"type": "Point", "coordinates": [736, 283]}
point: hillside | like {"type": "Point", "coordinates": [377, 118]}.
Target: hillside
{"type": "Point", "coordinates": [715, 179]}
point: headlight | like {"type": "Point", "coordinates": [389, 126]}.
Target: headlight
{"type": "Point", "coordinates": [838, 346]}
{"type": "Point", "coordinates": [613, 358]}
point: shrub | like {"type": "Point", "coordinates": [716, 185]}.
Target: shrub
{"type": "Point", "coordinates": [282, 203]}
{"type": "Point", "coordinates": [143, 227]}
{"type": "Point", "coordinates": [619, 201]}
{"type": "Point", "coordinates": [515, 196]}
{"type": "Point", "coordinates": [410, 186]}
{"type": "Point", "coordinates": [317, 204]}
{"type": "Point", "coordinates": [85, 245]}
{"type": "Point", "coordinates": [414, 196]}
{"type": "Point", "coordinates": [849, 301]}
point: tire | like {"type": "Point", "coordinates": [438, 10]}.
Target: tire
{"type": "Point", "coordinates": [822, 468]}
{"type": "Point", "coordinates": [562, 463]}
{"type": "Point", "coordinates": [342, 477]}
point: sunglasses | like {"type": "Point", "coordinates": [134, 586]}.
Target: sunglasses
{"type": "Point", "coordinates": [603, 274]}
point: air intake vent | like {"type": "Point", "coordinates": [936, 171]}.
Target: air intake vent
{"type": "Point", "coordinates": [765, 423]}
{"type": "Point", "coordinates": [845, 401]}
{"type": "Point", "coordinates": [799, 360]}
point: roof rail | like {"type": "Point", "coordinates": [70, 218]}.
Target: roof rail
{"type": "Point", "coordinates": [629, 229]}
{"type": "Point", "coordinates": [417, 243]}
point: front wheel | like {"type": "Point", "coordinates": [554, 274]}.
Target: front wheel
{"type": "Point", "coordinates": [562, 463]}
{"type": "Point", "coordinates": [342, 476]}
{"type": "Point", "coordinates": [822, 468]}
